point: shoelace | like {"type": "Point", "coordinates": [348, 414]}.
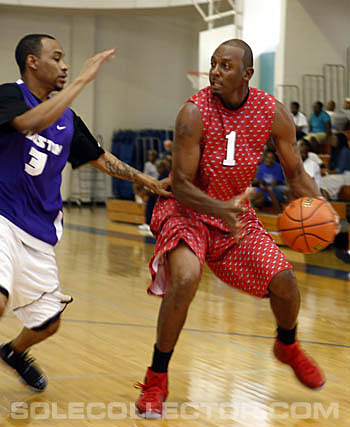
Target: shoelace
{"type": "Point", "coordinates": [152, 390]}
{"type": "Point", "coordinates": [302, 361]}
{"type": "Point", "coordinates": [24, 360]}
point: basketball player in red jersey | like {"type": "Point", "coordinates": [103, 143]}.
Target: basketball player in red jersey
{"type": "Point", "coordinates": [219, 139]}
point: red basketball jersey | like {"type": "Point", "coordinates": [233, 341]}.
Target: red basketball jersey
{"type": "Point", "coordinates": [231, 146]}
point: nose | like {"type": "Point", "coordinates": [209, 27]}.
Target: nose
{"type": "Point", "coordinates": [215, 70]}
{"type": "Point", "coordinates": [64, 66]}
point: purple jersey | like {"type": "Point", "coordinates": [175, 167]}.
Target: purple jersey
{"type": "Point", "coordinates": [30, 175]}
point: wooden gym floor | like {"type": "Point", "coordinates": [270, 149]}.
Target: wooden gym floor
{"type": "Point", "coordinates": [222, 372]}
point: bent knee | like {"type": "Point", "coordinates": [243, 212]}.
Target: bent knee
{"type": "Point", "coordinates": [284, 284]}
{"type": "Point", "coordinates": [184, 283]}
{"type": "Point", "coordinates": [49, 328]}
{"type": "Point", "coordinates": [53, 327]}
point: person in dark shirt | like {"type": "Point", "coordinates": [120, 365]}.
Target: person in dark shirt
{"type": "Point", "coordinates": [339, 167]}
{"type": "Point", "coordinates": [271, 183]}
{"type": "Point", "coordinates": [38, 135]}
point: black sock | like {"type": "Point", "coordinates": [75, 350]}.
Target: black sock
{"type": "Point", "coordinates": [160, 360]}
{"type": "Point", "coordinates": [286, 336]}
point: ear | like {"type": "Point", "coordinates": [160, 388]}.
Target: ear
{"type": "Point", "coordinates": [32, 62]}
{"type": "Point", "coordinates": [248, 73]}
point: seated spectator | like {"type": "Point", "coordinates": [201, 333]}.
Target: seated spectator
{"type": "Point", "coordinates": [311, 167]}
{"type": "Point", "coordinates": [320, 124]}
{"type": "Point", "coordinates": [339, 159]}
{"type": "Point", "coordinates": [167, 144]}
{"type": "Point", "coordinates": [313, 155]}
{"type": "Point", "coordinates": [339, 119]}
{"type": "Point", "coordinates": [339, 167]}
{"type": "Point", "coordinates": [271, 183]}
{"type": "Point", "coordinates": [150, 167]}
{"type": "Point", "coordinates": [300, 120]}
{"type": "Point", "coordinates": [346, 109]}
{"type": "Point", "coordinates": [163, 172]}
{"type": "Point", "coordinates": [168, 160]}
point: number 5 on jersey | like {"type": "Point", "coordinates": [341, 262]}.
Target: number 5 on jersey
{"type": "Point", "coordinates": [230, 150]}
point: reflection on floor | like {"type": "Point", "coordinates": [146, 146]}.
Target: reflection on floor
{"type": "Point", "coordinates": [222, 373]}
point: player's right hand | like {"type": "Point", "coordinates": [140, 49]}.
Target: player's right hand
{"type": "Point", "coordinates": [233, 208]}
{"type": "Point", "coordinates": [92, 65]}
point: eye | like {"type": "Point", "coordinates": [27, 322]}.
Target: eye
{"type": "Point", "coordinates": [212, 64]}
{"type": "Point", "coordinates": [226, 66]}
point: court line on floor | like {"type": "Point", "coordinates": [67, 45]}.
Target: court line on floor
{"type": "Point", "coordinates": [312, 269]}
{"type": "Point", "coordinates": [200, 331]}
{"type": "Point", "coordinates": [173, 374]}
{"type": "Point", "coordinates": [144, 316]}
{"type": "Point", "coordinates": [141, 374]}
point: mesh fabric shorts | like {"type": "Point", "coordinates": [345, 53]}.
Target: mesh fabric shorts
{"type": "Point", "coordinates": [248, 264]}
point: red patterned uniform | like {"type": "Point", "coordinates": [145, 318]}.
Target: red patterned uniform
{"type": "Point", "coordinates": [231, 146]}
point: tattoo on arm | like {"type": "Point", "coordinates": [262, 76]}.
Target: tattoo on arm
{"type": "Point", "coordinates": [182, 132]}
{"type": "Point", "coordinates": [295, 147]}
{"type": "Point", "coordinates": [121, 170]}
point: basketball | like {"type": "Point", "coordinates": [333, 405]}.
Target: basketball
{"type": "Point", "coordinates": [308, 225]}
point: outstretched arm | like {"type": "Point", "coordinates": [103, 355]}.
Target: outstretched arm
{"type": "Point", "coordinates": [186, 160]}
{"type": "Point", "coordinates": [111, 165]}
{"type": "Point", "coordinates": [46, 113]}
{"type": "Point", "coordinates": [283, 131]}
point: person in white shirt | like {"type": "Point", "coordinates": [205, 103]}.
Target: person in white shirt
{"type": "Point", "coordinates": [300, 120]}
{"type": "Point", "coordinates": [339, 119]}
{"type": "Point", "coordinates": [150, 167]}
{"type": "Point", "coordinates": [346, 109]}
{"type": "Point", "coordinates": [311, 167]}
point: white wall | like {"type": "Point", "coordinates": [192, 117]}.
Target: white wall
{"type": "Point", "coordinates": [307, 46]}
{"type": "Point", "coordinates": [332, 20]}
{"type": "Point", "coordinates": [100, 4]}
{"type": "Point", "coordinates": [146, 83]}
{"type": "Point", "coordinates": [314, 34]}
{"type": "Point", "coordinates": [261, 29]}
{"type": "Point", "coordinates": [209, 40]}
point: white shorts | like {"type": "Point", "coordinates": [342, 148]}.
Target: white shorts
{"type": "Point", "coordinates": [31, 279]}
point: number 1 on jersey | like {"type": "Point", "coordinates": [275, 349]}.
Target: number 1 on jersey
{"type": "Point", "coordinates": [230, 150]}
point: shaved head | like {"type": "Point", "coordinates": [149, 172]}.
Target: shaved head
{"type": "Point", "coordinates": [248, 54]}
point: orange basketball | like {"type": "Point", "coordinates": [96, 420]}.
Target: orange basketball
{"type": "Point", "coordinates": [308, 225]}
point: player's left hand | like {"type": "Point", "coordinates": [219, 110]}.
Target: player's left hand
{"type": "Point", "coordinates": [336, 216]}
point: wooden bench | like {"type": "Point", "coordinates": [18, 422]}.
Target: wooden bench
{"type": "Point", "coordinates": [125, 211]}
{"type": "Point", "coordinates": [132, 212]}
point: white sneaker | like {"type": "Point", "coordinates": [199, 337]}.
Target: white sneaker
{"type": "Point", "coordinates": [138, 199]}
{"type": "Point", "coordinates": [144, 227]}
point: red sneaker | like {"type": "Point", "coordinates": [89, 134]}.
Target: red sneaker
{"type": "Point", "coordinates": [305, 369]}
{"type": "Point", "coordinates": [154, 393]}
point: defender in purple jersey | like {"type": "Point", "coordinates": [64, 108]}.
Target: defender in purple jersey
{"type": "Point", "coordinates": [38, 135]}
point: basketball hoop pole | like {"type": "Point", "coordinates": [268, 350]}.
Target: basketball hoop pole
{"type": "Point", "coordinates": [235, 10]}
{"type": "Point", "coordinates": [211, 17]}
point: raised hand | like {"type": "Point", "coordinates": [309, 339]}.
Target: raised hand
{"type": "Point", "coordinates": [93, 64]}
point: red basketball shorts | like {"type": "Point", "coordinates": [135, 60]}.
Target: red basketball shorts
{"type": "Point", "coordinates": [249, 264]}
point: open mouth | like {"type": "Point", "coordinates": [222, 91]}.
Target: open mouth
{"type": "Point", "coordinates": [216, 85]}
